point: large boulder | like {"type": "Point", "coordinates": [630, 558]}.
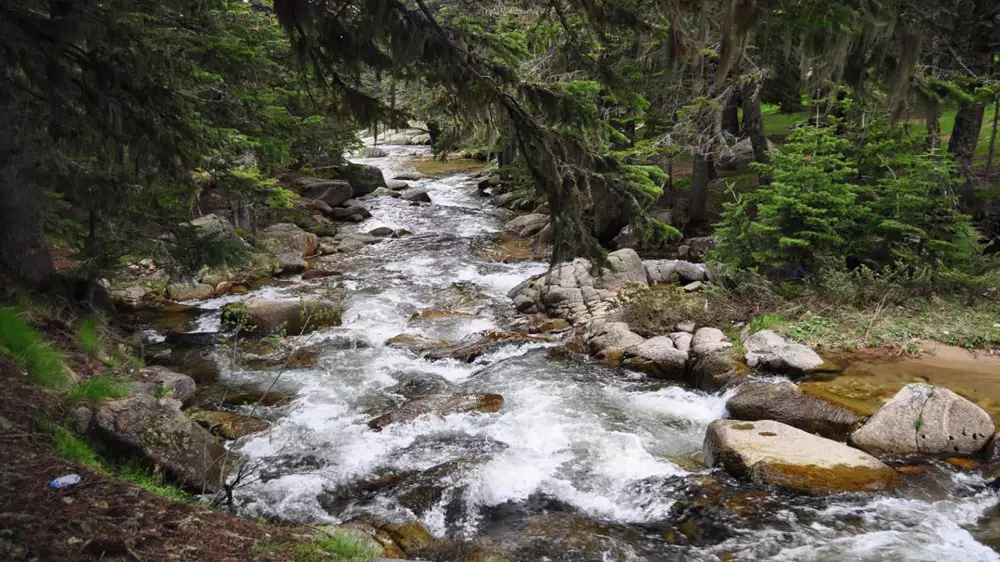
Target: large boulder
{"type": "Point", "coordinates": [416, 196]}
{"type": "Point", "coordinates": [527, 225]}
{"type": "Point", "coordinates": [331, 192]}
{"type": "Point", "coordinates": [189, 291]}
{"type": "Point", "coordinates": [158, 430]}
{"type": "Point", "coordinates": [363, 178]}
{"type": "Point", "coordinates": [158, 380]}
{"type": "Point", "coordinates": [925, 420]}
{"type": "Point", "coordinates": [671, 271]}
{"type": "Point", "coordinates": [296, 317]}
{"type": "Point", "coordinates": [768, 351]}
{"type": "Point", "coordinates": [657, 357]}
{"type": "Point", "coordinates": [773, 454]}
{"type": "Point", "coordinates": [287, 238]}
{"type": "Point", "coordinates": [786, 403]}
{"type": "Point", "coordinates": [612, 338]}
{"type": "Point", "coordinates": [441, 405]}
{"type": "Point", "coordinates": [707, 340]}
{"type": "Point", "coordinates": [218, 226]}
{"type": "Point", "coordinates": [576, 292]}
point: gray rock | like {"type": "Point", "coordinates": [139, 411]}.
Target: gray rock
{"type": "Point", "coordinates": [686, 326]}
{"type": "Point", "coordinates": [612, 337]}
{"type": "Point", "coordinates": [698, 246]}
{"type": "Point", "coordinates": [738, 156]}
{"type": "Point", "coordinates": [924, 420]}
{"type": "Point", "coordinates": [716, 369]}
{"type": "Point", "coordinates": [178, 386]}
{"type": "Point", "coordinates": [363, 178]}
{"type": "Point", "coordinates": [348, 213]}
{"type": "Point", "coordinates": [189, 291]}
{"type": "Point", "coordinates": [385, 192]}
{"type": "Point", "coordinates": [267, 316]}
{"type": "Point", "coordinates": [82, 417]}
{"type": "Point", "coordinates": [331, 192]}
{"type": "Point", "coordinates": [768, 351]}
{"type": "Point", "coordinates": [416, 195]}
{"type": "Point", "coordinates": [159, 431]}
{"type": "Point", "coordinates": [786, 403]}
{"type": "Point", "coordinates": [657, 357]}
{"type": "Point", "coordinates": [372, 152]}
{"type": "Point", "coordinates": [707, 340]}
{"type": "Point", "coordinates": [660, 271]}
{"type": "Point", "coordinates": [625, 239]}
{"type": "Point", "coordinates": [527, 225]}
{"type": "Point", "coordinates": [773, 454]}
{"type": "Point", "coordinates": [216, 225]}
{"type": "Point", "coordinates": [130, 295]}
{"type": "Point", "coordinates": [396, 185]}
{"type": "Point", "coordinates": [410, 176]}
{"type": "Point", "coordinates": [693, 287]}
{"type": "Point", "coordinates": [286, 239]}
{"type": "Point", "coordinates": [689, 272]}
{"type": "Point", "coordinates": [682, 341]}
{"type": "Point", "coordinates": [440, 405]}
{"type": "Point", "coordinates": [382, 232]}
{"type": "Point", "coordinates": [626, 267]}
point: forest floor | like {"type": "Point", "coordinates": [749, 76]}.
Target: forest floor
{"type": "Point", "coordinates": [103, 517]}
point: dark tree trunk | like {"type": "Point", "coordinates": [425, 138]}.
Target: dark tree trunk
{"type": "Point", "coordinates": [784, 87]}
{"type": "Point", "coordinates": [753, 126]}
{"type": "Point", "coordinates": [731, 114]}
{"type": "Point", "coordinates": [433, 131]}
{"type": "Point", "coordinates": [701, 176]}
{"type": "Point", "coordinates": [22, 236]}
{"type": "Point", "coordinates": [933, 125]}
{"type": "Point", "coordinates": [993, 136]}
{"type": "Point", "coordinates": [964, 138]}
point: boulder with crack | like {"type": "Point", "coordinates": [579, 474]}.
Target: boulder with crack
{"type": "Point", "coordinates": [768, 351]}
{"type": "Point", "coordinates": [925, 420]}
{"type": "Point", "coordinates": [158, 430]}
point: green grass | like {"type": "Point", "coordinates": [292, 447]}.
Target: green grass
{"type": "Point", "coordinates": [338, 547]}
{"type": "Point", "coordinates": [74, 448]}
{"type": "Point", "coordinates": [99, 389]}
{"type": "Point", "coordinates": [265, 550]}
{"type": "Point", "coordinates": [88, 338]}
{"type": "Point", "coordinates": [23, 344]}
{"type": "Point", "coordinates": [154, 484]}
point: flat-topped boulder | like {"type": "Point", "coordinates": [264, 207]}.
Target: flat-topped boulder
{"type": "Point", "coordinates": [768, 351]}
{"type": "Point", "coordinates": [786, 403]}
{"type": "Point", "coordinates": [925, 420]}
{"type": "Point", "coordinates": [265, 316]}
{"type": "Point", "coordinates": [657, 357]}
{"type": "Point", "coordinates": [612, 338]}
{"type": "Point", "coordinates": [772, 454]}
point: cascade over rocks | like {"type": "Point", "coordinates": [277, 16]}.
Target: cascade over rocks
{"type": "Point", "coordinates": [786, 403]}
{"type": "Point", "coordinates": [773, 454]}
{"type": "Point", "coordinates": [768, 351]}
{"type": "Point", "coordinates": [925, 420]}
{"type": "Point", "coordinates": [158, 430]}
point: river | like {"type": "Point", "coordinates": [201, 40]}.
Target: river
{"type": "Point", "coordinates": [583, 462]}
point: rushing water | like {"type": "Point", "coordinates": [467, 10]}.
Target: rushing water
{"type": "Point", "coordinates": [582, 463]}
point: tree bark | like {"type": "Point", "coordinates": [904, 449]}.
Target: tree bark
{"type": "Point", "coordinates": [933, 125]}
{"type": "Point", "coordinates": [22, 234]}
{"type": "Point", "coordinates": [993, 135]}
{"type": "Point", "coordinates": [701, 176]}
{"type": "Point", "coordinates": [753, 126]}
{"type": "Point", "coordinates": [731, 114]}
{"type": "Point", "coordinates": [964, 138]}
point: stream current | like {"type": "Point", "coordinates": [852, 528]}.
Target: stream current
{"type": "Point", "coordinates": [583, 462]}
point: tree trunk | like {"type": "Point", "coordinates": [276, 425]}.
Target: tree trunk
{"type": "Point", "coordinates": [964, 138]}
{"type": "Point", "coordinates": [993, 135]}
{"type": "Point", "coordinates": [784, 87]}
{"type": "Point", "coordinates": [731, 114]}
{"type": "Point", "coordinates": [753, 126]}
{"type": "Point", "coordinates": [22, 235]}
{"type": "Point", "coordinates": [701, 176]}
{"type": "Point", "coordinates": [933, 125]}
